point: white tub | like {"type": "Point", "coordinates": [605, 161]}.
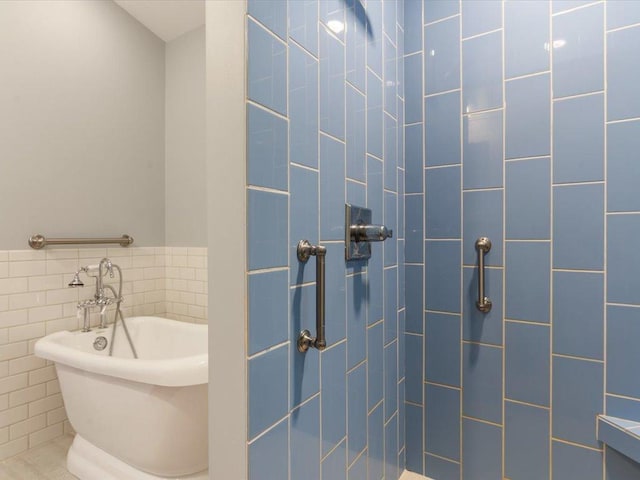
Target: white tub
{"type": "Point", "coordinates": [136, 419]}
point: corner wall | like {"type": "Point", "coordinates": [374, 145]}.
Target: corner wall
{"type": "Point", "coordinates": [323, 112]}
{"type": "Point", "coordinates": [524, 123]}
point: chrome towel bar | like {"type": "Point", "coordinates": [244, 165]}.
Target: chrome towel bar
{"type": "Point", "coordinates": [305, 340]}
{"type": "Point", "coordinates": [38, 241]}
{"type": "Point", "coordinates": [483, 245]}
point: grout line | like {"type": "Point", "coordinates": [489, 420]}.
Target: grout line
{"type": "Point", "coordinates": [579, 95]}
{"type": "Point", "coordinates": [575, 444]}
{"type": "Point", "coordinates": [528, 75]}
{"type": "Point", "coordinates": [618, 29]}
{"type": "Point", "coordinates": [440, 20]}
{"type": "Point", "coordinates": [580, 7]}
{"type": "Point", "coordinates": [483, 34]}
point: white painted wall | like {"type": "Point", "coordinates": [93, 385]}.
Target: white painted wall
{"type": "Point", "coordinates": [82, 124]}
{"type": "Point", "coordinates": [185, 144]}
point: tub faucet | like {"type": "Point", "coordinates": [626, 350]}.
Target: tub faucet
{"type": "Point", "coordinates": [100, 300]}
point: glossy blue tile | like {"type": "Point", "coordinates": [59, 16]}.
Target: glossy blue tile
{"type": "Point", "coordinates": [271, 13]}
{"type": "Point", "coordinates": [442, 421]}
{"type": "Point", "coordinates": [414, 291]}
{"type": "Point", "coordinates": [356, 319]}
{"type": "Point", "coordinates": [332, 74]}
{"type": "Point", "coordinates": [390, 304]}
{"type": "Point", "coordinates": [376, 443]}
{"type": "Point", "coordinates": [528, 198]}
{"type": "Point", "coordinates": [570, 461]}
{"type": "Point", "coordinates": [442, 275]}
{"type": "Point", "coordinates": [558, 6]}
{"type": "Point", "coordinates": [623, 171]}
{"type": "Point", "coordinates": [401, 212]}
{"type": "Point", "coordinates": [356, 40]}
{"type": "Point", "coordinates": [305, 440]}
{"type": "Point", "coordinates": [482, 218]}
{"type": "Point", "coordinates": [390, 380]}
{"type": "Point", "coordinates": [578, 309]}
{"type": "Point", "coordinates": [578, 51]}
{"type": "Point", "coordinates": [526, 442]}
{"type": "Point", "coordinates": [482, 450]}
{"type": "Point", "coordinates": [304, 369]}
{"type": "Point", "coordinates": [482, 382]}
{"type": "Point", "coordinates": [414, 363]}
{"type": "Point", "coordinates": [526, 37]}
{"type": "Point", "coordinates": [442, 202]}
{"type": "Point", "coordinates": [268, 310]}
{"type": "Point", "coordinates": [303, 203]}
{"type": "Point", "coordinates": [357, 412]}
{"type": "Point", "coordinates": [334, 396]}
{"type": "Point", "coordinates": [480, 16]}
{"type": "Point", "coordinates": [374, 38]}
{"type": "Point", "coordinates": [332, 189]}
{"type": "Point", "coordinates": [436, 467]}
{"type": "Point", "coordinates": [482, 72]}
{"type": "Point", "coordinates": [390, 78]}
{"type": "Point", "coordinates": [414, 438]}
{"type": "Point", "coordinates": [390, 246]}
{"type": "Point", "coordinates": [623, 74]}
{"type": "Point", "coordinates": [267, 230]}
{"type": "Point", "coordinates": [414, 158]}
{"type": "Point", "coordinates": [267, 69]}
{"type": "Point", "coordinates": [621, 407]}
{"type": "Point", "coordinates": [413, 88]}
{"type": "Point", "coordinates": [439, 9]}
{"type": "Point", "coordinates": [578, 139]}
{"type": "Point", "coordinates": [442, 349]}
{"type": "Point", "coordinates": [390, 151]}
{"type": "Point", "coordinates": [375, 364]}
{"type": "Point", "coordinates": [374, 115]}
{"type": "Point", "coordinates": [356, 195]}
{"type": "Point", "coordinates": [621, 13]}
{"type": "Point", "coordinates": [578, 227]}
{"type": "Point", "coordinates": [478, 326]}
{"type": "Point", "coordinates": [412, 26]}
{"type": "Point", "coordinates": [389, 14]}
{"type": "Point", "coordinates": [391, 448]}
{"type": "Point", "coordinates": [303, 24]}
{"type": "Point", "coordinates": [376, 288]}
{"type": "Point", "coordinates": [267, 149]}
{"type": "Point", "coordinates": [303, 107]}
{"type": "Point", "coordinates": [442, 60]}
{"type": "Point", "coordinates": [622, 259]}
{"type": "Point", "coordinates": [414, 236]}
{"type": "Point", "coordinates": [483, 149]}
{"type": "Point", "coordinates": [268, 455]}
{"type": "Point", "coordinates": [527, 363]}
{"type": "Point", "coordinates": [334, 466]}
{"type": "Point", "coordinates": [356, 135]}
{"type": "Point", "coordinates": [375, 189]}
{"type": "Point", "coordinates": [528, 117]}
{"type": "Point", "coordinates": [623, 328]}
{"type": "Point", "coordinates": [332, 14]}
{"type": "Point", "coordinates": [358, 471]}
{"type": "Point", "coordinates": [620, 467]}
{"type": "Point", "coordinates": [400, 17]}
{"type": "Point", "coordinates": [268, 386]}
{"type": "Point", "coordinates": [401, 353]}
{"type": "Point", "coordinates": [335, 288]}
{"type": "Point", "coordinates": [577, 399]}
{"type": "Point", "coordinates": [527, 281]}
{"type": "Point", "coordinates": [442, 129]}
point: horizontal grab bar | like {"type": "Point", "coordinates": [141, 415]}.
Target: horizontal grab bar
{"type": "Point", "coordinates": [38, 241]}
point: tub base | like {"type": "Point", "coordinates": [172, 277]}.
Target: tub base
{"type": "Point", "coordinates": [88, 462]}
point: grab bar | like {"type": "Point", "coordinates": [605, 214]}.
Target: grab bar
{"type": "Point", "coordinates": [483, 245]}
{"type": "Point", "coordinates": [39, 241]}
{"type": "Point", "coordinates": [305, 340]}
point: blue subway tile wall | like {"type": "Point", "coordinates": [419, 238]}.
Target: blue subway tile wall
{"type": "Point", "coordinates": [537, 107]}
{"type": "Point", "coordinates": [325, 116]}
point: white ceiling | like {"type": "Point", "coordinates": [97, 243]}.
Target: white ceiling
{"type": "Point", "coordinates": [168, 19]}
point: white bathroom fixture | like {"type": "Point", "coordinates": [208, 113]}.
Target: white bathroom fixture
{"type": "Point", "coordinates": [136, 419]}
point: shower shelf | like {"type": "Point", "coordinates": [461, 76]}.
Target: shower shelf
{"type": "Point", "coordinates": [621, 435]}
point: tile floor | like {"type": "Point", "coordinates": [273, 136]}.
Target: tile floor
{"type": "Point", "coordinates": [44, 462]}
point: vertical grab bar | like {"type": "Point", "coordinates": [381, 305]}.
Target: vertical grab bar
{"type": "Point", "coordinates": [483, 245]}
{"type": "Point", "coordinates": [305, 340]}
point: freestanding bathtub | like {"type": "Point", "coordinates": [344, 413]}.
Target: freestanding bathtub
{"type": "Point", "coordinates": [135, 419]}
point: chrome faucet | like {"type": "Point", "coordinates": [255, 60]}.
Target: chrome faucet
{"type": "Point", "coordinates": [99, 300]}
